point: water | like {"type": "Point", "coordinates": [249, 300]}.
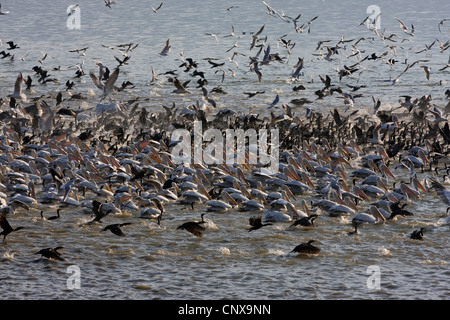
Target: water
{"type": "Point", "coordinates": [160, 262]}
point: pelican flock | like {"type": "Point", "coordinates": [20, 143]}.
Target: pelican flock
{"type": "Point", "coordinates": [110, 153]}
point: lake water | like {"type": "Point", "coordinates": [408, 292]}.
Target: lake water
{"type": "Point", "coordinates": [160, 262]}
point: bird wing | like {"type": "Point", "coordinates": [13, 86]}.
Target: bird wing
{"type": "Point", "coordinates": [109, 85]}
{"type": "Point", "coordinates": [96, 81]}
{"type": "Point", "coordinates": [18, 85]}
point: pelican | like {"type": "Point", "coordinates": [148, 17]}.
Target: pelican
{"type": "Point", "coordinates": [219, 205]}
{"type": "Point", "coordinates": [373, 216]}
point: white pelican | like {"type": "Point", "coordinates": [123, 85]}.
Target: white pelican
{"type": "Point", "coordinates": [373, 216]}
{"type": "Point", "coordinates": [219, 205]}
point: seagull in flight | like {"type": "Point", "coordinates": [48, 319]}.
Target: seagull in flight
{"type": "Point", "coordinates": [2, 13]}
{"type": "Point", "coordinates": [108, 3]}
{"type": "Point", "coordinates": [157, 8]}
{"type": "Point", "coordinates": [108, 86]}
{"type": "Point", "coordinates": [166, 48]}
{"type": "Point", "coordinates": [18, 94]}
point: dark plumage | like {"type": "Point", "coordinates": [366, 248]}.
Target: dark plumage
{"type": "Point", "coordinates": [115, 228]}
{"type": "Point", "coordinates": [417, 234]}
{"type": "Point", "coordinates": [52, 217]}
{"type": "Point", "coordinates": [305, 221]}
{"type": "Point", "coordinates": [7, 229]}
{"type": "Point", "coordinates": [51, 253]}
{"type": "Point", "coordinates": [399, 211]}
{"type": "Point", "coordinates": [194, 227]}
{"type": "Point", "coordinates": [307, 248]}
{"type": "Point", "coordinates": [256, 223]}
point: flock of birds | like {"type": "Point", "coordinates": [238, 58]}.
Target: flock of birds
{"type": "Point", "coordinates": [116, 157]}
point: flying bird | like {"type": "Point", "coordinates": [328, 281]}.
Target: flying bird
{"type": "Point", "coordinates": [18, 94]}
{"type": "Point", "coordinates": [7, 229]}
{"type": "Point", "coordinates": [51, 253]}
{"type": "Point", "coordinates": [157, 8]}
{"type": "Point", "coordinates": [166, 48]}
{"type": "Point", "coordinates": [115, 228]}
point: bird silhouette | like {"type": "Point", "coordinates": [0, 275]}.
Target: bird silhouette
{"type": "Point", "coordinates": [115, 228]}
{"type": "Point", "coordinates": [7, 229]}
{"type": "Point", "coordinates": [194, 227]}
{"type": "Point", "coordinates": [307, 248]}
{"type": "Point", "coordinates": [51, 253]}
{"type": "Point", "coordinates": [256, 223]}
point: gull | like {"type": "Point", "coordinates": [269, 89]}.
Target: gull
{"type": "Point", "coordinates": [157, 8]}
{"type": "Point", "coordinates": [166, 48]}
{"type": "Point", "coordinates": [108, 86]}
{"type": "Point", "coordinates": [254, 67]}
{"type": "Point", "coordinates": [234, 45]}
{"type": "Point", "coordinates": [2, 13]}
{"type": "Point", "coordinates": [441, 23]}
{"type": "Point", "coordinates": [255, 37]}
{"type": "Point", "coordinates": [427, 71]}
{"type": "Point", "coordinates": [180, 88]}
{"type": "Point", "coordinates": [212, 35]}
{"type": "Point", "coordinates": [108, 3]}
{"type": "Point", "coordinates": [81, 51]}
{"type": "Point", "coordinates": [299, 67]}
{"type": "Point", "coordinates": [274, 102]}
{"type": "Point", "coordinates": [18, 89]}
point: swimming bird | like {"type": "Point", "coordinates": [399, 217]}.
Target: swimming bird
{"type": "Point", "coordinates": [194, 227]}
{"type": "Point", "coordinates": [256, 223]}
{"type": "Point", "coordinates": [52, 217]}
{"type": "Point", "coordinates": [373, 216]}
{"type": "Point", "coordinates": [417, 234]}
{"type": "Point", "coordinates": [306, 248]}
{"type": "Point", "coordinates": [18, 94]}
{"type": "Point", "coordinates": [7, 229]}
{"type": "Point", "coordinates": [115, 228]}
{"type": "Point", "coordinates": [51, 253]}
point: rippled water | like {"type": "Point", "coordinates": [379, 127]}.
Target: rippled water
{"type": "Point", "coordinates": [160, 262]}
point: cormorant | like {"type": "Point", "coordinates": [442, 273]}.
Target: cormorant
{"type": "Point", "coordinates": [306, 248]}
{"type": "Point", "coordinates": [194, 227]}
